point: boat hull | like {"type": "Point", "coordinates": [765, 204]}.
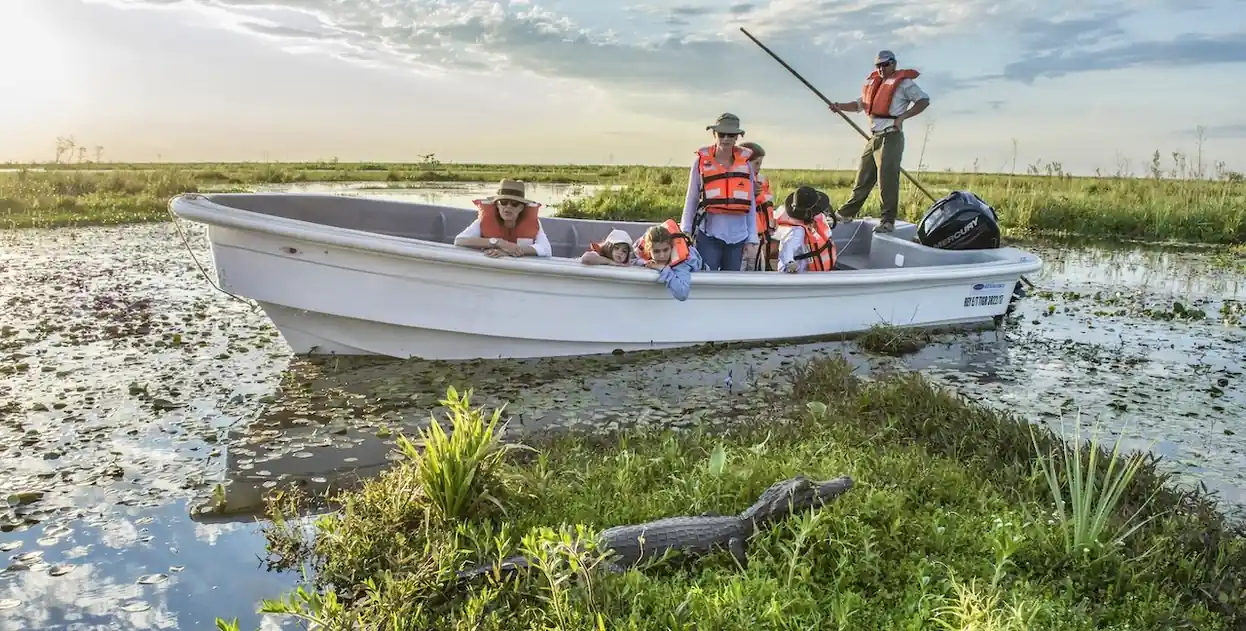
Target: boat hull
{"type": "Point", "coordinates": [334, 291]}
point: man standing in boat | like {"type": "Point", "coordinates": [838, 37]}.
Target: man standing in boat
{"type": "Point", "coordinates": [889, 98]}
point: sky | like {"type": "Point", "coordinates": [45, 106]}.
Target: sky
{"type": "Point", "coordinates": [1090, 84]}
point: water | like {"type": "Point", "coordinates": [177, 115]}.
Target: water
{"type": "Point", "coordinates": [135, 569]}
{"type": "Point", "coordinates": [143, 415]}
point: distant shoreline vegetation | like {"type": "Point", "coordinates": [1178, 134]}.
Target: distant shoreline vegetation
{"type": "Point", "coordinates": [1171, 202]}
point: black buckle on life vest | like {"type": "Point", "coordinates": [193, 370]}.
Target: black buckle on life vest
{"type": "Point", "coordinates": [761, 260]}
{"type": "Point", "coordinates": [817, 252]}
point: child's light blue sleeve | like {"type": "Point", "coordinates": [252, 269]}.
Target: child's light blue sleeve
{"type": "Point", "coordinates": [678, 279]}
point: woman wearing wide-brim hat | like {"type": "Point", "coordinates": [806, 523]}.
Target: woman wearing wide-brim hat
{"type": "Point", "coordinates": [508, 224]}
{"type": "Point", "coordinates": [720, 210]}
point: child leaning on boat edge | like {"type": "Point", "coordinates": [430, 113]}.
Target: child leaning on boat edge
{"type": "Point", "coordinates": [615, 249]}
{"type": "Point", "coordinates": [662, 248]}
{"type": "Point", "coordinates": [668, 250]}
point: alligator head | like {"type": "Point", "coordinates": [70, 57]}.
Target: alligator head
{"type": "Point", "coordinates": [786, 497]}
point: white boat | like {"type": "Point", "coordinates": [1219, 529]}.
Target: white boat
{"type": "Point", "coordinates": [356, 276]}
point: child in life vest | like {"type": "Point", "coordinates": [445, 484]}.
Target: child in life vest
{"type": "Point", "coordinates": [763, 255]}
{"type": "Point", "coordinates": [668, 250]}
{"type": "Point", "coordinates": [615, 249]}
{"type": "Point", "coordinates": [807, 245]}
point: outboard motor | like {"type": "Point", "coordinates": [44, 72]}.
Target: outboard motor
{"type": "Point", "coordinates": [963, 221]}
{"type": "Point", "coordinates": [960, 221]}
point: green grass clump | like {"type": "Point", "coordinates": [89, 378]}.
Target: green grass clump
{"type": "Point", "coordinates": [952, 524]}
{"type": "Point", "coordinates": [36, 200]}
{"type": "Point", "coordinates": [887, 339]}
{"type": "Point", "coordinates": [456, 471]}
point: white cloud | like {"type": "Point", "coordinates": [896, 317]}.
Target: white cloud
{"type": "Point", "coordinates": [686, 60]}
{"type": "Point", "coordinates": [483, 36]}
{"type": "Point", "coordinates": [637, 49]}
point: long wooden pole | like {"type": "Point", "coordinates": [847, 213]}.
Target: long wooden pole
{"type": "Point", "coordinates": [831, 105]}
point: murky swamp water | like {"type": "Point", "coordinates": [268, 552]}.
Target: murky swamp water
{"type": "Point", "coordinates": [129, 388]}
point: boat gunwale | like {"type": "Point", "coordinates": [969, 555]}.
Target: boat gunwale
{"type": "Point", "coordinates": [199, 207]}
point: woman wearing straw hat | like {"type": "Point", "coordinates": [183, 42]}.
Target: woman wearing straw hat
{"type": "Point", "coordinates": [720, 210]}
{"type": "Point", "coordinates": [507, 225]}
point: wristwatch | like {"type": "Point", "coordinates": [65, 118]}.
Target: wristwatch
{"type": "Point", "coordinates": [493, 241]}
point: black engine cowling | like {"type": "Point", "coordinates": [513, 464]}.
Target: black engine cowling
{"type": "Point", "coordinates": [960, 221]}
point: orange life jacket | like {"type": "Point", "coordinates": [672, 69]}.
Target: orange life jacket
{"type": "Point", "coordinates": [878, 92]}
{"type": "Point", "coordinates": [526, 226]}
{"type": "Point", "coordinates": [729, 189]}
{"type": "Point", "coordinates": [819, 247]}
{"type": "Point", "coordinates": [765, 207]}
{"type": "Point", "coordinates": [679, 245]}
{"type": "Point", "coordinates": [769, 246]}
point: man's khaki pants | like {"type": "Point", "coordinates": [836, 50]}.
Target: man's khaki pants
{"type": "Point", "coordinates": [880, 163]}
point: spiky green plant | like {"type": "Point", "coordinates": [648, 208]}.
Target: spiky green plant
{"type": "Point", "coordinates": [458, 471]}
{"type": "Point", "coordinates": [1086, 517]}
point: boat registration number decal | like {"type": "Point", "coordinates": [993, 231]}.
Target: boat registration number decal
{"type": "Point", "coordinates": [984, 301]}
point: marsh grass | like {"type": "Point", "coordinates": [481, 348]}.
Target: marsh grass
{"type": "Point", "coordinates": [1167, 205]}
{"type": "Point", "coordinates": [887, 339]}
{"type": "Point", "coordinates": [951, 525]}
{"type": "Point", "coordinates": [112, 194]}
{"type": "Point", "coordinates": [1028, 205]}
{"type": "Point", "coordinates": [37, 200]}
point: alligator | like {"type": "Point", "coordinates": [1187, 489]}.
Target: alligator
{"type": "Point", "coordinates": [629, 545]}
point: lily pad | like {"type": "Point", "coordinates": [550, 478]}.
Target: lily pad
{"type": "Point", "coordinates": [24, 497]}
{"type": "Point", "coordinates": [165, 404]}
{"type": "Point", "coordinates": [152, 579]}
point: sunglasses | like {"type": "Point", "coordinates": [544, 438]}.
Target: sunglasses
{"type": "Point", "coordinates": [722, 135]}
{"type": "Point", "coordinates": [884, 64]}
{"type": "Point", "coordinates": [509, 202]}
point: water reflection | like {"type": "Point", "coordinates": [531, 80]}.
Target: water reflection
{"type": "Point", "coordinates": [140, 569]}
{"type": "Point", "coordinates": [1183, 273]}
